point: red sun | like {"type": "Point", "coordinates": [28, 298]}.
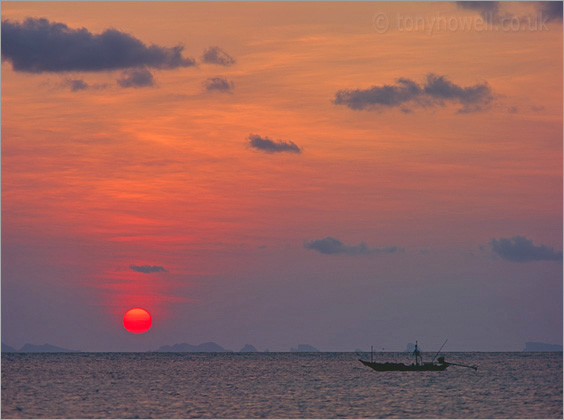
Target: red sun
{"type": "Point", "coordinates": [137, 320]}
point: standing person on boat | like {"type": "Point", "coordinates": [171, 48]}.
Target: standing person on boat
{"type": "Point", "coordinates": [417, 355]}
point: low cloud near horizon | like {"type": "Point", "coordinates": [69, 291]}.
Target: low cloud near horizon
{"type": "Point", "coordinates": [147, 269]}
{"type": "Point", "coordinates": [521, 249]}
{"type": "Point", "coordinates": [333, 246]}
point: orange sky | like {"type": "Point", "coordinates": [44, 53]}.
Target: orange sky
{"type": "Point", "coordinates": [97, 180]}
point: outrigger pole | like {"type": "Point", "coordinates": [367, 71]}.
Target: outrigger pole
{"type": "Point", "coordinates": [439, 350]}
{"type": "Point", "coordinates": [458, 364]}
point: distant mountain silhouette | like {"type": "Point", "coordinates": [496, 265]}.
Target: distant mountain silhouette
{"type": "Point", "coordinates": [209, 347]}
{"type": "Point", "coordinates": [534, 346]}
{"type": "Point", "coordinates": [249, 348]}
{"type": "Point", "coordinates": [6, 348]}
{"type": "Point", "coordinates": [304, 348]}
{"type": "Point", "coordinates": [45, 348]}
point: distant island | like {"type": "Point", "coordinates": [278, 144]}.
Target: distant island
{"type": "Point", "coordinates": [249, 348]}
{"type": "Point", "coordinates": [532, 346]}
{"type": "Point", "coordinates": [7, 349]}
{"type": "Point", "coordinates": [212, 347]}
{"type": "Point", "coordinates": [209, 347]}
{"type": "Point", "coordinates": [304, 348]}
{"type": "Point", "coordinates": [34, 348]}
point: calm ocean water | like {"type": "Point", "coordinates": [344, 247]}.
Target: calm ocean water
{"type": "Point", "coordinates": [276, 385]}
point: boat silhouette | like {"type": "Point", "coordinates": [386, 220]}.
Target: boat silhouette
{"type": "Point", "coordinates": [418, 365]}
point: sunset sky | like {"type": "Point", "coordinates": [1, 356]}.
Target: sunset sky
{"type": "Point", "coordinates": [334, 174]}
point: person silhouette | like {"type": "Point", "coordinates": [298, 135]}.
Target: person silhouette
{"type": "Point", "coordinates": [417, 354]}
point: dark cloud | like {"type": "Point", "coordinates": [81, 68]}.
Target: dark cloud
{"type": "Point", "coordinates": [436, 91]}
{"type": "Point", "coordinates": [147, 269]}
{"type": "Point", "coordinates": [439, 88]}
{"type": "Point", "coordinates": [271, 146]}
{"type": "Point", "coordinates": [549, 10]}
{"type": "Point", "coordinates": [521, 249]}
{"type": "Point", "coordinates": [492, 6]}
{"type": "Point", "coordinates": [333, 246]}
{"type": "Point", "coordinates": [77, 84]}
{"type": "Point", "coordinates": [136, 79]}
{"type": "Point", "coordinates": [217, 84]}
{"type": "Point", "coordinates": [215, 55]}
{"type": "Point", "coordinates": [38, 45]}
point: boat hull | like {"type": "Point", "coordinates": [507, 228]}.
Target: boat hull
{"type": "Point", "coordinates": [392, 367]}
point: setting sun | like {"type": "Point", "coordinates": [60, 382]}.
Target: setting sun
{"type": "Point", "coordinates": [137, 321]}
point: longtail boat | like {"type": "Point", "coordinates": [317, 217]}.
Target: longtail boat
{"type": "Point", "coordinates": [418, 365]}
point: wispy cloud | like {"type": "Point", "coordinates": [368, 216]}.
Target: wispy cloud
{"type": "Point", "coordinates": [333, 246]}
{"type": "Point", "coordinates": [76, 84]}
{"type": "Point", "coordinates": [136, 79]}
{"type": "Point", "coordinates": [215, 55]}
{"type": "Point", "coordinates": [218, 84]}
{"type": "Point", "coordinates": [489, 10]}
{"type": "Point", "coordinates": [435, 91]}
{"type": "Point", "coordinates": [39, 45]}
{"type": "Point", "coordinates": [521, 249]}
{"type": "Point", "coordinates": [267, 145]}
{"type": "Point", "coordinates": [147, 269]}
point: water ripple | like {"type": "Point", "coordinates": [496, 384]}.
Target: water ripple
{"type": "Point", "coordinates": [276, 385]}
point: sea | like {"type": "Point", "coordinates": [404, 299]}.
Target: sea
{"type": "Point", "coordinates": [277, 385]}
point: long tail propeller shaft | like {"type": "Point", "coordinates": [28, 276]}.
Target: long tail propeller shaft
{"type": "Point", "coordinates": [458, 364]}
